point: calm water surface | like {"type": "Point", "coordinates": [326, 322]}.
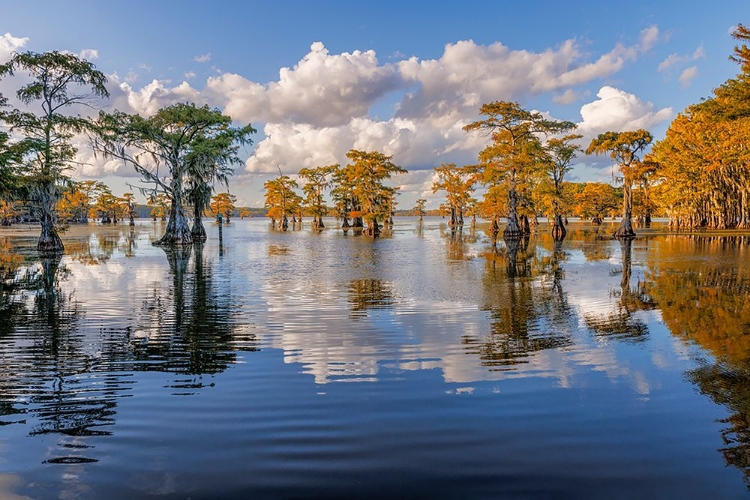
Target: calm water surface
{"type": "Point", "coordinates": [419, 365]}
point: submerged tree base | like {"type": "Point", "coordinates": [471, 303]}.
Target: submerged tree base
{"type": "Point", "coordinates": [373, 230]}
{"type": "Point", "coordinates": [175, 236]}
{"type": "Point", "coordinates": [512, 233]}
{"type": "Point", "coordinates": [50, 248]}
{"type": "Point", "coordinates": [198, 232]}
{"type": "Point", "coordinates": [624, 233]}
{"type": "Point", "coordinates": [50, 244]}
{"type": "Point", "coordinates": [558, 229]}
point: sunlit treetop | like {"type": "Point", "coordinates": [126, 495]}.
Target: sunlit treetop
{"type": "Point", "coordinates": [741, 52]}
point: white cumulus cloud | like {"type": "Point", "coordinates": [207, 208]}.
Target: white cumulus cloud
{"type": "Point", "coordinates": [150, 98]}
{"type": "Point", "coordinates": [89, 54]}
{"type": "Point", "coordinates": [322, 89]}
{"type": "Point", "coordinates": [467, 74]}
{"type": "Point", "coordinates": [413, 144]}
{"type": "Point", "coordinates": [321, 107]}
{"type": "Point", "coordinates": [618, 111]}
{"type": "Point", "coordinates": [10, 44]}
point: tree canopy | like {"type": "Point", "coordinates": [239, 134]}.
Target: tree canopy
{"type": "Point", "coordinates": [704, 159]}
{"type": "Point", "coordinates": [626, 149]}
{"type": "Point", "coordinates": [179, 151]}
{"type": "Point", "coordinates": [513, 159]}
{"type": "Point", "coordinates": [59, 81]}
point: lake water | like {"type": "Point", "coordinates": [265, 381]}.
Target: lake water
{"type": "Point", "coordinates": [419, 365]}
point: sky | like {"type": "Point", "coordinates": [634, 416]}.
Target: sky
{"type": "Point", "coordinates": [317, 79]}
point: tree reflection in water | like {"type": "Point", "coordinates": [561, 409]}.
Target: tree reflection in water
{"type": "Point", "coordinates": [457, 241]}
{"type": "Point", "coordinates": [528, 307]}
{"type": "Point", "coordinates": [189, 328]}
{"type": "Point", "coordinates": [728, 383]}
{"type": "Point", "coordinates": [709, 304]}
{"type": "Point", "coordinates": [95, 249]}
{"type": "Point", "coordinates": [370, 293]}
{"type": "Point", "coordinates": [623, 323]}
{"type": "Point", "coordinates": [61, 375]}
{"type": "Point", "coordinates": [49, 372]}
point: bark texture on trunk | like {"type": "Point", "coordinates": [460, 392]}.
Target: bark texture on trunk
{"type": "Point", "coordinates": [512, 229]}
{"type": "Point", "coordinates": [49, 241]}
{"type": "Point", "coordinates": [626, 226]}
{"type": "Point", "coordinates": [525, 225]}
{"type": "Point", "coordinates": [373, 229]}
{"type": "Point", "coordinates": [198, 231]}
{"type": "Point", "coordinates": [558, 229]}
{"type": "Point", "coordinates": [178, 231]}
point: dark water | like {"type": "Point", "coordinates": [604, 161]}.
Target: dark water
{"type": "Point", "coordinates": [419, 365]}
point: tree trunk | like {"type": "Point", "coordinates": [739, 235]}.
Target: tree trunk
{"type": "Point", "coordinates": [626, 226]}
{"type": "Point", "coordinates": [511, 246]}
{"type": "Point", "coordinates": [178, 231]}
{"type": "Point", "coordinates": [512, 230]}
{"type": "Point", "coordinates": [744, 221]}
{"type": "Point", "coordinates": [525, 226]}
{"type": "Point", "coordinates": [494, 230]}
{"type": "Point", "coordinates": [198, 231]}
{"type": "Point", "coordinates": [626, 247]}
{"type": "Point", "coordinates": [558, 229]}
{"type": "Point", "coordinates": [373, 229]}
{"type": "Point", "coordinates": [49, 241]}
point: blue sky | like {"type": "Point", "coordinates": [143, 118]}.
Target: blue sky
{"type": "Point", "coordinates": [317, 79]}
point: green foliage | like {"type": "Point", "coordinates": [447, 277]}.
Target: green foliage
{"type": "Point", "coordinates": [317, 180]}
{"type": "Point", "coordinates": [58, 81]}
{"type": "Point", "coordinates": [11, 157]}
{"type": "Point", "coordinates": [181, 151]}
{"type": "Point", "coordinates": [419, 207]}
{"type": "Point", "coordinates": [560, 154]}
